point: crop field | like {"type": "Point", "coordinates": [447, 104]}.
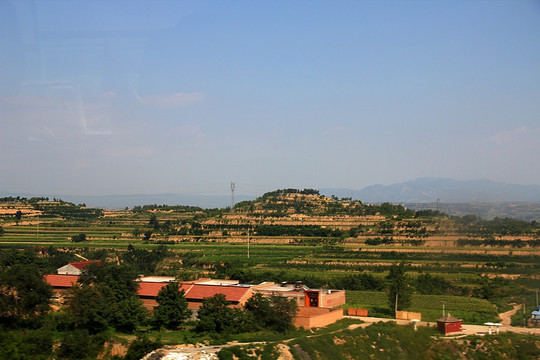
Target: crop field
{"type": "Point", "coordinates": [319, 241]}
{"type": "Point", "coordinates": [471, 310]}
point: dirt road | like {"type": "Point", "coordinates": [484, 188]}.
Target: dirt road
{"type": "Point", "coordinates": [506, 317]}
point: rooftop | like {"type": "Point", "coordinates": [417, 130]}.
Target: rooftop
{"type": "Point", "coordinates": [232, 293]}
{"type": "Point", "coordinates": [66, 281]}
{"type": "Point", "coordinates": [82, 264]}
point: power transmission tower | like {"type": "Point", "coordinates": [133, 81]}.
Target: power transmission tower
{"type": "Point", "coordinates": [233, 186]}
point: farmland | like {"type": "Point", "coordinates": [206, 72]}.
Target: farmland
{"type": "Point", "coordinates": [292, 235]}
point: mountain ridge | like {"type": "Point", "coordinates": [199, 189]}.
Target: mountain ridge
{"type": "Point", "coordinates": [446, 190]}
{"type": "Point", "coordinates": [420, 190]}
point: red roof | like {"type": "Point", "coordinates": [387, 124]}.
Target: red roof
{"type": "Point", "coordinates": [65, 281]}
{"type": "Point", "coordinates": [232, 293]}
{"type": "Point", "coordinates": [82, 264]}
{"type": "Point", "coordinates": [152, 288]}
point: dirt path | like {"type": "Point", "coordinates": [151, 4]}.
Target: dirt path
{"type": "Point", "coordinates": [506, 317]}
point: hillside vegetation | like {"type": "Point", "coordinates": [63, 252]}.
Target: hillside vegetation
{"type": "Point", "coordinates": [477, 267]}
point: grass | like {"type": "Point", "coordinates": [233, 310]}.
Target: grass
{"type": "Point", "coordinates": [471, 310]}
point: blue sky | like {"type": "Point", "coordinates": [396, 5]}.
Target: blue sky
{"type": "Point", "coordinates": [127, 97]}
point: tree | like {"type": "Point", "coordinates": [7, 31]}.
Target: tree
{"type": "Point", "coordinates": [154, 223]}
{"type": "Point", "coordinates": [78, 238]}
{"type": "Point", "coordinates": [115, 284]}
{"type": "Point", "coordinates": [275, 313]}
{"type": "Point", "coordinates": [79, 344]}
{"type": "Point", "coordinates": [24, 293]}
{"type": "Point", "coordinates": [90, 309]}
{"type": "Point", "coordinates": [140, 347]}
{"type": "Point", "coordinates": [147, 235]}
{"type": "Point", "coordinates": [399, 291]}
{"type": "Point", "coordinates": [172, 307]}
{"type": "Point", "coordinates": [432, 285]}
{"type": "Point", "coordinates": [216, 316]}
{"type": "Point", "coordinates": [18, 215]}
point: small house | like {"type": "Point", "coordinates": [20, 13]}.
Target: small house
{"type": "Point", "coordinates": [535, 317]}
{"type": "Point", "coordinates": [449, 324]}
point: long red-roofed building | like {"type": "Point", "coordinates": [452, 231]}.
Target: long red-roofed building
{"type": "Point", "coordinates": [148, 291]}
{"type": "Point", "coordinates": [235, 295]}
{"type": "Point", "coordinates": [61, 282]}
{"type": "Point", "coordinates": [317, 308]}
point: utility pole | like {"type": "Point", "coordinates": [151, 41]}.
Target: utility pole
{"type": "Point", "coordinates": [233, 186]}
{"type": "Point", "coordinates": [524, 316]}
{"type": "Point", "coordinates": [248, 241]}
{"type": "Point", "coordinates": [395, 309]}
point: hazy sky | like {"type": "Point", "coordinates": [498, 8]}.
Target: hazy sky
{"type": "Point", "coordinates": [125, 97]}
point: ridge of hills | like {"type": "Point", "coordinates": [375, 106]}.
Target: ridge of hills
{"type": "Point", "coordinates": [420, 190]}
{"type": "Point", "coordinates": [447, 190]}
{"type": "Point", "coordinates": [484, 198]}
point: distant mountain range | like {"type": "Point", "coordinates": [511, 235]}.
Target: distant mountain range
{"type": "Point", "coordinates": [424, 190]}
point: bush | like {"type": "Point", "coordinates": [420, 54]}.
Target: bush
{"type": "Point", "coordinates": [78, 344]}
{"type": "Point", "coordinates": [78, 238]}
{"type": "Point", "coordinates": [141, 347]}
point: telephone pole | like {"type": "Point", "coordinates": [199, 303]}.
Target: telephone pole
{"type": "Point", "coordinates": [233, 186]}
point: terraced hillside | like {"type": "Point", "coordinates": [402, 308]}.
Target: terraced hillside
{"type": "Point", "coordinates": [297, 235]}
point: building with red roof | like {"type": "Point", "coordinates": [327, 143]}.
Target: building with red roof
{"type": "Point", "coordinates": [148, 291]}
{"type": "Point", "coordinates": [75, 268]}
{"type": "Point", "coordinates": [61, 282]}
{"type": "Point", "coordinates": [235, 295]}
{"type": "Point", "coordinates": [317, 308]}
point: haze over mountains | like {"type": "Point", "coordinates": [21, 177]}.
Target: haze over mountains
{"type": "Point", "coordinates": [421, 190]}
{"type": "Point", "coordinates": [446, 190]}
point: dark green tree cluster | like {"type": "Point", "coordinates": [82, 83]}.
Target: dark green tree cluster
{"type": "Point", "coordinates": [172, 307]}
{"type": "Point", "coordinates": [23, 199]}
{"type": "Point", "coordinates": [176, 208]}
{"type": "Point", "coordinates": [78, 238]}
{"type": "Point", "coordinates": [432, 284]}
{"type": "Point", "coordinates": [30, 344]}
{"type": "Point", "coordinates": [142, 260]}
{"type": "Point", "coordinates": [274, 313]}
{"type": "Point", "coordinates": [289, 191]}
{"type": "Point", "coordinates": [296, 230]}
{"type": "Point", "coordinates": [107, 296]}
{"type": "Point", "coordinates": [475, 225]}
{"type": "Point", "coordinates": [23, 294]}
{"type": "Point", "coordinates": [68, 211]}
{"type": "Point", "coordinates": [215, 316]}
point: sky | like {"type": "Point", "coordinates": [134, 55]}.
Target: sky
{"type": "Point", "coordinates": [150, 97]}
